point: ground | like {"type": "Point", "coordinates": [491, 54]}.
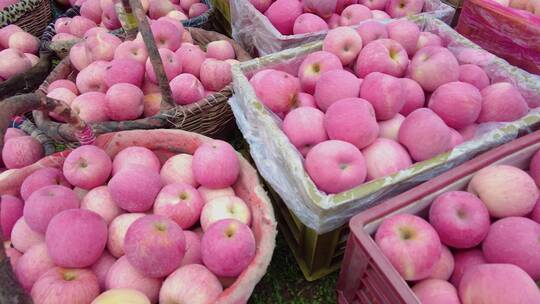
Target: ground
{"type": "Point", "coordinates": [285, 284]}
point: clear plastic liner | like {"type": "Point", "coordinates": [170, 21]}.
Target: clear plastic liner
{"type": "Point", "coordinates": [255, 32]}
{"type": "Point", "coordinates": [281, 164]}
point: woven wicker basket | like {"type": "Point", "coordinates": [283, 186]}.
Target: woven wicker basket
{"type": "Point", "coordinates": [33, 16]}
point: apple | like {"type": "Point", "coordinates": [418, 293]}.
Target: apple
{"type": "Point", "coordinates": [384, 92]}
{"type": "Point", "coordinates": [524, 250]}
{"type": "Point", "coordinates": [303, 100]}
{"type": "Point", "coordinates": [99, 200]}
{"type": "Point", "coordinates": [24, 42]}
{"type": "Point", "coordinates": [91, 9]}
{"type": "Point", "coordinates": [382, 55]}
{"type": "Point", "coordinates": [406, 33]}
{"type": "Point", "coordinates": [21, 151]}
{"type": "Point", "coordinates": [23, 237]}
{"type": "Point", "coordinates": [13, 255]}
{"type": "Point", "coordinates": [192, 58]}
{"type": "Point", "coordinates": [94, 31]}
{"type": "Point", "coordinates": [101, 268]}
{"type": "Point", "coordinates": [304, 127]}
{"type": "Point", "coordinates": [123, 275]}
{"type": "Point", "coordinates": [193, 284]}
{"type": "Point", "coordinates": [63, 83]}
{"type": "Point", "coordinates": [403, 8]}
{"type": "Point", "coordinates": [216, 165]}
{"type": "Point", "coordinates": [152, 104]}
{"type": "Point", "coordinates": [261, 5]}
{"type": "Point", "coordinates": [313, 66]}
{"type": "Point", "coordinates": [283, 13]}
{"type": "Point", "coordinates": [344, 42]}
{"type": "Point", "coordinates": [13, 62]}
{"type": "Point", "coordinates": [374, 4]}
{"type": "Point", "coordinates": [428, 39]}
{"type": "Point", "coordinates": [172, 65]}
{"type": "Point", "coordinates": [87, 167]}
{"type": "Point", "coordinates": [354, 14]}
{"type": "Point", "coordinates": [157, 8]}
{"type": "Point", "coordinates": [178, 16]}
{"type": "Point", "coordinates": [161, 237]}
{"type": "Point", "coordinates": [186, 89]}
{"type": "Point", "coordinates": [178, 169]}
{"type": "Point", "coordinates": [335, 85]}
{"type": "Point", "coordinates": [413, 94]}
{"type": "Point", "coordinates": [227, 247]}
{"type": "Point", "coordinates": [135, 188]}
{"type": "Point", "coordinates": [444, 267]}
{"type": "Point", "coordinates": [181, 203]}
{"type": "Point", "coordinates": [208, 194]}
{"type": "Point", "coordinates": [136, 156]}
{"type": "Point", "coordinates": [77, 56]}
{"type": "Point", "coordinates": [79, 25]}
{"type": "Point", "coordinates": [390, 128]}
{"type": "Point", "coordinates": [117, 232]}
{"type": "Point", "coordinates": [109, 17]}
{"type": "Point", "coordinates": [464, 260]}
{"type": "Point", "coordinates": [193, 249]}
{"type": "Point", "coordinates": [497, 283]}
{"type": "Point", "coordinates": [410, 244]}
{"type": "Point", "coordinates": [457, 103]}
{"type": "Point", "coordinates": [372, 30]}
{"type": "Point", "coordinates": [220, 50]}
{"type": "Point", "coordinates": [65, 286]}
{"type": "Point", "coordinates": [91, 107]}
{"type": "Point", "coordinates": [309, 23]}
{"type": "Point", "coordinates": [91, 77]}
{"type": "Point", "coordinates": [434, 66]}
{"type": "Point", "coordinates": [11, 210]}
{"type": "Point", "coordinates": [215, 74]}
{"type": "Point", "coordinates": [12, 133]}
{"type": "Point", "coordinates": [45, 203]}
{"type": "Point", "coordinates": [6, 32]}
{"type": "Point", "coordinates": [121, 295]}
{"type": "Point", "coordinates": [32, 264]}
{"type": "Point", "coordinates": [325, 9]}
{"type": "Point", "coordinates": [135, 50]}
{"type": "Point", "coordinates": [502, 102]}
{"type": "Point", "coordinates": [380, 15]}
{"type": "Point", "coordinates": [197, 9]}
{"type": "Point", "coordinates": [333, 21]}
{"type": "Point", "coordinates": [385, 157]}
{"type": "Point", "coordinates": [225, 207]}
{"type": "Point", "coordinates": [474, 75]}
{"type": "Point", "coordinates": [124, 71]}
{"type": "Point", "coordinates": [506, 190]}
{"type": "Point", "coordinates": [342, 4]}
{"type": "Point", "coordinates": [101, 46]}
{"type": "Point", "coordinates": [124, 101]}
{"type": "Point", "coordinates": [436, 291]}
{"type": "Point", "coordinates": [277, 90]}
{"type": "Point", "coordinates": [336, 166]}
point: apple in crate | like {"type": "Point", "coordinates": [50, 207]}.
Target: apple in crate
{"type": "Point", "coordinates": [304, 127]}
{"type": "Point", "coordinates": [193, 284]}
{"type": "Point", "coordinates": [136, 156]}
{"type": "Point", "coordinates": [41, 178]}
{"type": "Point", "coordinates": [65, 286]}
{"type": "Point", "coordinates": [333, 86]}
{"type": "Point", "coordinates": [410, 244]}
{"type": "Point", "coordinates": [313, 66]}
{"type": "Point", "coordinates": [429, 39]}
{"type": "Point", "coordinates": [87, 167]}
{"type": "Point", "coordinates": [444, 267]}
{"type": "Point", "coordinates": [354, 14]}
{"type": "Point", "coordinates": [382, 55]}
{"type": "Point", "coordinates": [474, 75]}
{"type": "Point", "coordinates": [497, 283]}
{"type": "Point", "coordinates": [436, 291]}
{"type": "Point", "coordinates": [227, 247]}
{"type": "Point", "coordinates": [434, 66]}
{"type": "Point", "coordinates": [193, 249]}
{"type": "Point", "coordinates": [32, 264]}
{"type": "Point", "coordinates": [216, 165]}
{"type": "Point", "coordinates": [385, 157]}
{"type": "Point", "coordinates": [344, 42]}
{"type": "Point", "coordinates": [384, 92]}
{"type": "Point", "coordinates": [123, 275]}
{"type": "Point", "coordinates": [406, 33]}
{"type": "Point", "coordinates": [390, 128]}
{"type": "Point", "coordinates": [101, 268]}
{"type": "Point", "coordinates": [134, 189]}
{"type": "Point", "coordinates": [276, 89]}
{"type": "Point", "coordinates": [135, 50]}
{"type": "Point", "coordinates": [181, 203]}
{"type": "Point", "coordinates": [225, 207]}
{"type": "Point", "coordinates": [283, 13]}
{"type": "Point", "coordinates": [402, 8]}
{"type": "Point", "coordinates": [502, 102]}
{"type": "Point", "coordinates": [178, 169]}
{"type": "Point", "coordinates": [372, 30]}
{"type": "Point", "coordinates": [464, 260]}
{"type": "Point", "coordinates": [121, 295]}
{"type": "Point", "coordinates": [309, 23]}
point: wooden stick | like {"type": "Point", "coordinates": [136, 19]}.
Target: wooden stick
{"type": "Point", "coordinates": [14, 106]}
{"type": "Point", "coordinates": [153, 53]}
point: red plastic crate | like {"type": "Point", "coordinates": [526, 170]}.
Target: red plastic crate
{"type": "Point", "coordinates": [366, 275]}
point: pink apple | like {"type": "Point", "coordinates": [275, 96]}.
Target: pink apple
{"type": "Point", "coordinates": [135, 188]}
{"type": "Point", "coordinates": [123, 275]}
{"type": "Point", "coordinates": [101, 268]}
{"type": "Point", "coordinates": [436, 291]}
{"type": "Point", "coordinates": [422, 142]}
{"type": "Point", "coordinates": [181, 203]}
{"type": "Point", "coordinates": [336, 166]}
{"type": "Point", "coordinates": [177, 16]}
{"type": "Point", "coordinates": [457, 103]}
{"type": "Point", "coordinates": [502, 102]}
{"type": "Point", "coordinates": [373, 4]}
{"type": "Point", "coordinates": [215, 74]}
{"type": "Point", "coordinates": [117, 232]}
{"type": "Point", "coordinates": [428, 39]}
{"type": "Point", "coordinates": [65, 286]}
{"type": "Point", "coordinates": [45, 203]}
{"type": "Point", "coordinates": [33, 58]}
{"type": "Point", "coordinates": [23, 237]}
{"type": "Point", "coordinates": [13, 62]}
{"type": "Point", "coordinates": [216, 164]}
{"type": "Point", "coordinates": [63, 83]}
{"type": "Point", "coordinates": [174, 22]}
{"type": "Point", "coordinates": [333, 21]}
{"type": "Point", "coordinates": [62, 94]}
{"type": "Point", "coordinates": [464, 260]}
{"type": "Point", "coordinates": [506, 190]}
{"type": "Point", "coordinates": [413, 94]}
{"type": "Point", "coordinates": [79, 25]}
{"type": "Point", "coordinates": [474, 75]}
{"type": "Point", "coordinates": [122, 295]}
{"type": "Point", "coordinates": [90, 79]}
{"type": "Point", "coordinates": [390, 128]}
{"type": "Point", "coordinates": [380, 15]}
{"type": "Point", "coordinates": [12, 133]}
{"type": "Point", "coordinates": [109, 18]}
{"type": "Point", "coordinates": [178, 169]}
{"type": "Point", "coordinates": [220, 49]}
{"type": "Point", "coordinates": [434, 66]}
{"type": "Point", "coordinates": [124, 71]}
{"type": "Point", "coordinates": [91, 9]}
{"type": "Point", "coordinates": [190, 284]}
{"type": "Point", "coordinates": [372, 30]}
{"type": "Point", "coordinates": [131, 50]}
{"type": "Point", "coordinates": [136, 156]}
{"type": "Point", "coordinates": [225, 207]}
{"type": "Point", "coordinates": [77, 56]}
{"type": "Point", "coordinates": [325, 9]}
{"type": "Point", "coordinates": [384, 92]}
{"type": "Point", "coordinates": [305, 128]}
{"type": "Point", "coordinates": [11, 210]}
{"type": "Point", "coordinates": [166, 35]}
{"type": "Point", "coordinates": [32, 264]}
{"type": "Point", "coordinates": [24, 42]}
{"type": "Point", "coordinates": [94, 31]}
{"type": "Point", "coordinates": [152, 104]}
{"type": "Point", "coordinates": [6, 32]}
{"type": "Point", "coordinates": [192, 58]}
{"type": "Point", "coordinates": [304, 100]}
{"type": "Point", "coordinates": [159, 8]}
{"type": "Point", "coordinates": [101, 46]}
{"type": "Point", "coordinates": [227, 247]}
{"type": "Point", "coordinates": [313, 66]}
{"type": "Point", "coordinates": [497, 283]}
{"type": "Point", "coordinates": [12, 254]}
{"type": "Point", "coordinates": [197, 9]}
{"type": "Point", "coordinates": [502, 246]}
{"type": "Point", "coordinates": [342, 4]}
{"type": "Point", "coordinates": [91, 107]}
{"type": "Point", "coordinates": [344, 42]}
{"type": "Point", "coordinates": [445, 265]}
{"type": "Point", "coordinates": [99, 200]}
{"type": "Point", "coordinates": [335, 85]}
{"type": "Point", "coordinates": [124, 101]}
{"type": "Point", "coordinates": [76, 238]}
{"type": "Point", "coordinates": [186, 89]}
{"type": "Point", "coordinates": [21, 151]}
{"type": "Point", "coordinates": [354, 14]}
{"type": "Point", "coordinates": [193, 249]}
{"type": "Point", "coordinates": [460, 218]}
{"type": "Point", "coordinates": [87, 167]}
{"type": "Point", "coordinates": [283, 13]}
{"type": "Point", "coordinates": [410, 244]}
{"type": "Point", "coordinates": [172, 65]}
{"type": "Point", "coordinates": [309, 23]}
{"type": "Point", "coordinates": [382, 55]}
{"type": "Point", "coordinates": [261, 5]}
{"type": "Point", "coordinates": [406, 33]}
{"type": "Point", "coordinates": [161, 237]}
{"type": "Point", "coordinates": [455, 138]}
{"type": "Point", "coordinates": [277, 90]}
{"type": "Point", "coordinates": [402, 8]}
{"type": "Point", "coordinates": [208, 194]}
{"type": "Point", "coordinates": [385, 157]}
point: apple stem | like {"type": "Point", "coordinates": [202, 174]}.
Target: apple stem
{"type": "Point", "coordinates": [10, 289]}
{"type": "Point", "coordinates": [153, 53]}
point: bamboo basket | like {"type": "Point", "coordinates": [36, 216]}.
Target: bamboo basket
{"type": "Point", "coordinates": [33, 16]}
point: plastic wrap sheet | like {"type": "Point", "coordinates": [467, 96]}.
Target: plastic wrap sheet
{"type": "Point", "coordinates": [282, 165]}
{"type": "Point", "coordinates": [506, 32]}
{"type": "Point", "coordinates": [255, 32]}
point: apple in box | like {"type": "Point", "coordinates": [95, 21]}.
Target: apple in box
{"type": "Point", "coordinates": [283, 13]}
{"type": "Point", "coordinates": [344, 42]}
{"type": "Point", "coordinates": [464, 260]}
{"type": "Point", "coordinates": [335, 85]}
{"type": "Point", "coordinates": [181, 203]}
{"type": "Point", "coordinates": [436, 291]}
{"type": "Point", "coordinates": [309, 23]}
{"type": "Point", "coordinates": [444, 267]}
{"type": "Point", "coordinates": [312, 67]}
{"type": "Point", "coordinates": [385, 157]}
{"type": "Point", "coordinates": [304, 127]}
{"type": "Point", "coordinates": [354, 14]}
{"type": "Point", "coordinates": [434, 66]}
{"type": "Point", "coordinates": [390, 128]}
{"type": "Point", "coordinates": [276, 89]}
{"type": "Point", "coordinates": [382, 55]}
{"type": "Point", "coordinates": [385, 93]}
{"type": "Point", "coordinates": [65, 286]}
{"type": "Point", "coordinates": [406, 33]}
{"type": "Point", "coordinates": [372, 30]}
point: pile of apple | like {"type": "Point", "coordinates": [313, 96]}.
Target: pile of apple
{"type": "Point", "coordinates": [360, 108]}
{"type": "Point", "coordinates": [20, 150]}
{"type": "Point", "coordinates": [122, 226]}
{"type": "Point", "coordinates": [103, 13]}
{"type": "Point", "coordinates": [532, 6]}
{"type": "Point", "coordinates": [485, 241]}
{"type": "Point", "coordinates": [309, 16]}
{"type": "Point", "coordinates": [18, 51]}
{"type": "Point", "coordinates": [116, 80]}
